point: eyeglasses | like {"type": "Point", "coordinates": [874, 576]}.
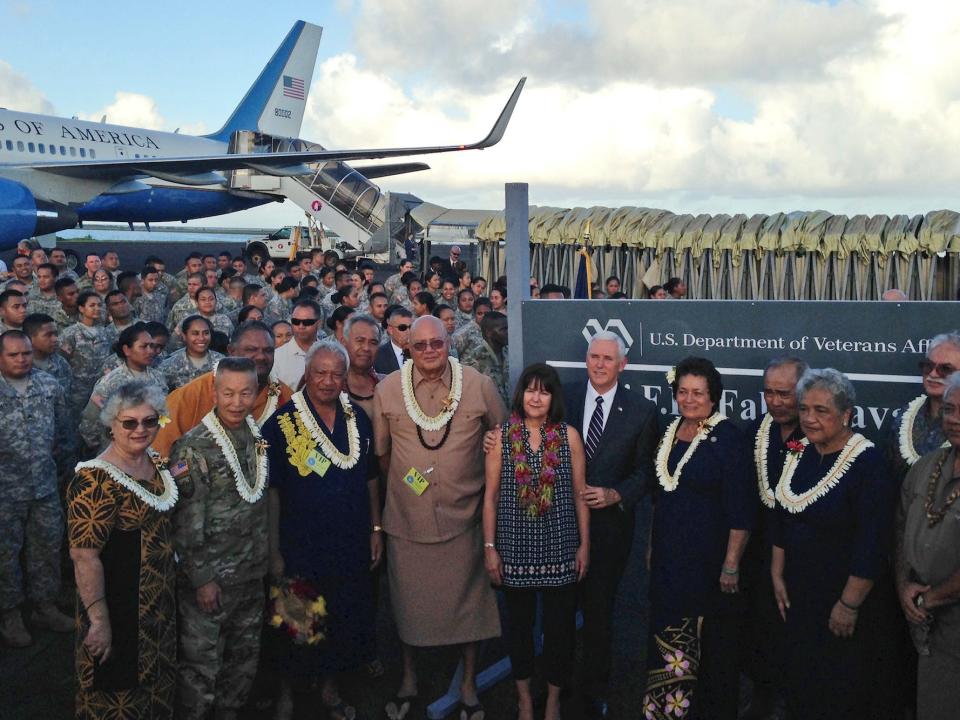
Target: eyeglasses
{"type": "Point", "coordinates": [148, 423]}
{"type": "Point", "coordinates": [943, 369]}
{"type": "Point", "coordinates": [402, 327]}
{"type": "Point", "coordinates": [304, 321]}
{"type": "Point", "coordinates": [435, 344]}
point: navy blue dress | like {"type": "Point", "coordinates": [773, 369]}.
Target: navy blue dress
{"type": "Point", "coordinates": [325, 537]}
{"type": "Point", "coordinates": [845, 532]}
{"type": "Point", "coordinates": [691, 525]}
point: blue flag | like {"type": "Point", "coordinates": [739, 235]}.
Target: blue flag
{"type": "Point", "coordinates": [583, 290]}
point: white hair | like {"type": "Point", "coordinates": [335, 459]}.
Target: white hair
{"type": "Point", "coordinates": [362, 318]}
{"type": "Point", "coordinates": [834, 382]}
{"type": "Point", "coordinates": [132, 394]}
{"type": "Point", "coordinates": [947, 338]}
{"type": "Point", "coordinates": [952, 384]}
{"type": "Point", "coordinates": [611, 336]}
{"type": "Point", "coordinates": [328, 345]}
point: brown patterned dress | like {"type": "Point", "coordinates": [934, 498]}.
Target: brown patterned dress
{"type": "Point", "coordinates": [134, 540]}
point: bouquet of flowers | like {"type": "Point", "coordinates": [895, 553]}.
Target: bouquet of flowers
{"type": "Point", "coordinates": [298, 610]}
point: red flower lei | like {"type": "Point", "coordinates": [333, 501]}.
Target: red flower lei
{"type": "Point", "coordinates": [796, 447]}
{"type": "Point", "coordinates": [536, 501]}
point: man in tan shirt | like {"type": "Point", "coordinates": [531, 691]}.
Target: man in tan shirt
{"type": "Point", "coordinates": [429, 421]}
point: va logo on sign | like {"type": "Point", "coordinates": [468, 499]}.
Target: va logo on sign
{"type": "Point", "coordinates": [616, 326]}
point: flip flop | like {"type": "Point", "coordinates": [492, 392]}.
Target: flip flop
{"type": "Point", "coordinates": [399, 707]}
{"type": "Point", "coordinates": [341, 711]}
{"type": "Point", "coordinates": [472, 712]}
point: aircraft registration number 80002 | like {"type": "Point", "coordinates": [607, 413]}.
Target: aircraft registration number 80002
{"type": "Point", "coordinates": [280, 112]}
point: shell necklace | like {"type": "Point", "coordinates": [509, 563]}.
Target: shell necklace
{"type": "Point", "coordinates": [670, 482]}
{"type": "Point", "coordinates": [162, 502]}
{"type": "Point", "coordinates": [855, 445]}
{"type": "Point", "coordinates": [907, 451]}
{"type": "Point", "coordinates": [250, 493]}
{"type": "Point", "coordinates": [339, 459]}
{"type": "Point", "coordinates": [450, 405]}
{"type": "Point", "coordinates": [760, 448]}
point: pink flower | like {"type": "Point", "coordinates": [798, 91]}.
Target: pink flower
{"type": "Point", "coordinates": [649, 708]}
{"type": "Point", "coordinates": [676, 663]}
{"type": "Point", "coordinates": [677, 703]}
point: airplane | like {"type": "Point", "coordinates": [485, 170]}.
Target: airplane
{"type": "Point", "coordinates": [56, 173]}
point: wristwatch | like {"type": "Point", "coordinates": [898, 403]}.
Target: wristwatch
{"type": "Point", "coordinates": [376, 528]}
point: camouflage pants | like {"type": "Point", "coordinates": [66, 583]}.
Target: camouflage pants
{"type": "Point", "coordinates": [218, 650]}
{"type": "Point", "coordinates": [35, 527]}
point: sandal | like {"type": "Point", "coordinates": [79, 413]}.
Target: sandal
{"type": "Point", "coordinates": [341, 711]}
{"type": "Point", "coordinates": [399, 707]}
{"type": "Point", "coordinates": [472, 712]}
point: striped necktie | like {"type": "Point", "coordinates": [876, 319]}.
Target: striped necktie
{"type": "Point", "coordinates": [596, 428]}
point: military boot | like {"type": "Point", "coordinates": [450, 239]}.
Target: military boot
{"type": "Point", "coordinates": [13, 631]}
{"type": "Point", "coordinates": [46, 615]}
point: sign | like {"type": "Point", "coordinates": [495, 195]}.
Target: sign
{"type": "Point", "coordinates": [316, 205]}
{"type": "Point", "coordinates": [876, 344]}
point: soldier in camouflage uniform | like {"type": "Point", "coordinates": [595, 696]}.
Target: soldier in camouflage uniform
{"type": "Point", "coordinates": [469, 335]}
{"type": "Point", "coordinates": [220, 535]}
{"type": "Point", "coordinates": [489, 357]}
{"type": "Point", "coordinates": [34, 435]}
{"type": "Point", "coordinates": [43, 333]}
{"type": "Point", "coordinates": [59, 259]}
{"type": "Point", "coordinates": [13, 309]}
{"type": "Point", "coordinates": [136, 348]}
{"type": "Point", "coordinates": [195, 358]}
{"type": "Point", "coordinates": [464, 309]}
{"type": "Point", "coordinates": [151, 305]}
{"type": "Point", "coordinates": [186, 305]}
{"type": "Point", "coordinates": [67, 294]}
{"type": "Point", "coordinates": [42, 297]}
{"type": "Point", "coordinates": [91, 264]}
{"type": "Point", "coordinates": [86, 345]}
{"type": "Point", "coordinates": [391, 284]}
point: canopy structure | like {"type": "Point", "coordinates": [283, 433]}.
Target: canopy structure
{"type": "Point", "coordinates": [785, 256]}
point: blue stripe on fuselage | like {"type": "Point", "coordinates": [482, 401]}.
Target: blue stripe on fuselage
{"type": "Point", "coordinates": [166, 204]}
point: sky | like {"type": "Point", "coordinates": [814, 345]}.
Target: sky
{"type": "Point", "coordinates": [720, 106]}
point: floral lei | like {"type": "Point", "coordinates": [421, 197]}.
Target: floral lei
{"type": "Point", "coordinates": [250, 493]}
{"type": "Point", "coordinates": [760, 448]}
{"type": "Point", "coordinates": [536, 502]}
{"type": "Point", "coordinates": [344, 461]}
{"type": "Point", "coordinates": [907, 451]}
{"type": "Point", "coordinates": [162, 502]}
{"type": "Point", "coordinates": [856, 444]}
{"type": "Point", "coordinates": [298, 610]}
{"type": "Point", "coordinates": [670, 482]}
{"type": "Point", "coordinates": [450, 405]}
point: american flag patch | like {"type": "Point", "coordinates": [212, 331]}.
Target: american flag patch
{"type": "Point", "coordinates": [292, 87]}
{"type": "Point", "coordinates": [181, 468]}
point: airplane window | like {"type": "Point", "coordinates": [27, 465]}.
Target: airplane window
{"type": "Point", "coordinates": [20, 145]}
{"type": "Point", "coordinates": [30, 147]}
{"type": "Point", "coordinates": [83, 152]}
{"type": "Point", "coordinates": [73, 151]}
{"type": "Point", "coordinates": [42, 148]}
{"type": "Point", "coordinates": [63, 150]}
{"type": "Point", "coordinates": [93, 153]}
{"type": "Point", "coordinates": [9, 144]}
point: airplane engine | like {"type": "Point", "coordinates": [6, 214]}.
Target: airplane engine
{"type": "Point", "coordinates": [23, 216]}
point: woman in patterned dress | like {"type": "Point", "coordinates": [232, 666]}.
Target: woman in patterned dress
{"type": "Point", "coordinates": [703, 513]}
{"type": "Point", "coordinates": [536, 530]}
{"type": "Point", "coordinates": [118, 521]}
{"type": "Point", "coordinates": [835, 507]}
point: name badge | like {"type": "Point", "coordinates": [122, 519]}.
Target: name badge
{"type": "Point", "coordinates": [318, 463]}
{"type": "Point", "coordinates": [416, 481]}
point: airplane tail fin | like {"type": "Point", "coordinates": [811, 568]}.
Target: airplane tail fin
{"type": "Point", "coordinates": [275, 102]}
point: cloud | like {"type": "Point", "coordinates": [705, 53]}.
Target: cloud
{"type": "Point", "coordinates": [130, 109]}
{"type": "Point", "coordinates": [870, 122]}
{"type": "Point", "coordinates": [16, 91]}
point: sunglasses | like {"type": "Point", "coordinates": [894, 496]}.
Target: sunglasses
{"type": "Point", "coordinates": [402, 327]}
{"type": "Point", "coordinates": [435, 344]}
{"type": "Point", "coordinates": [943, 369]}
{"type": "Point", "coordinates": [148, 423]}
{"type": "Point", "coordinates": [303, 321]}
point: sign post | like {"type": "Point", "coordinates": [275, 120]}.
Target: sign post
{"type": "Point", "coordinates": [518, 271]}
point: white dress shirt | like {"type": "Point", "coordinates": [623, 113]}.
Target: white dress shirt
{"type": "Point", "coordinates": [590, 404]}
{"type": "Point", "coordinates": [288, 364]}
{"type": "Point", "coordinates": [398, 351]}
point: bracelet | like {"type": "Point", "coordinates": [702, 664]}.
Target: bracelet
{"type": "Point", "coordinates": [727, 571]}
{"type": "Point", "coordinates": [490, 545]}
{"type": "Point", "coordinates": [87, 608]}
{"type": "Point", "coordinates": [376, 529]}
{"type": "Point", "coordinates": [848, 606]}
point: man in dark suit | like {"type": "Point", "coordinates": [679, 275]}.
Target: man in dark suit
{"type": "Point", "coordinates": [448, 268]}
{"type": "Point", "coordinates": [391, 354]}
{"type": "Point", "coordinates": [620, 434]}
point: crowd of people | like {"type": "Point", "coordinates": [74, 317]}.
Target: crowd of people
{"type": "Point", "coordinates": [232, 454]}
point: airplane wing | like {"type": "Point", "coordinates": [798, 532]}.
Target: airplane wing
{"type": "Point", "coordinates": [197, 168]}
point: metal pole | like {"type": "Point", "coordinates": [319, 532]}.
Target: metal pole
{"type": "Point", "coordinates": [518, 270]}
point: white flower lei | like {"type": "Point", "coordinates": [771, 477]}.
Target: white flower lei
{"type": "Point", "coordinates": [760, 448]}
{"type": "Point", "coordinates": [340, 460]}
{"type": "Point", "coordinates": [794, 503]}
{"type": "Point", "coordinates": [162, 503]}
{"type": "Point", "coordinates": [907, 451]}
{"type": "Point", "coordinates": [424, 421]}
{"type": "Point", "coordinates": [250, 493]}
{"type": "Point", "coordinates": [670, 482]}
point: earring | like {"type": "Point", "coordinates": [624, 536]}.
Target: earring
{"type": "Point", "coordinates": [110, 433]}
